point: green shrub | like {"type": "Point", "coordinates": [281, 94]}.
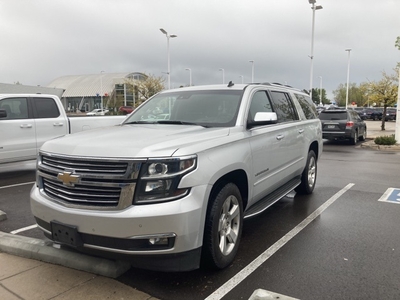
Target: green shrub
{"type": "Point", "coordinates": [385, 140]}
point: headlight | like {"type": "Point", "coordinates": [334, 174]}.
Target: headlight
{"type": "Point", "coordinates": [159, 179]}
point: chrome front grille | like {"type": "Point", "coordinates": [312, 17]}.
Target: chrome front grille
{"type": "Point", "coordinates": [81, 194]}
{"type": "Point", "coordinates": [86, 182]}
{"type": "Point", "coordinates": [85, 166]}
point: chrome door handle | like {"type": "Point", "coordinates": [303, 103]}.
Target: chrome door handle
{"type": "Point", "coordinates": [301, 130]}
{"type": "Point", "coordinates": [26, 126]}
{"type": "Point", "coordinates": [280, 137]}
{"type": "Point", "coordinates": [58, 124]}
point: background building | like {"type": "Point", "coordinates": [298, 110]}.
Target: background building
{"type": "Point", "coordinates": [83, 92]}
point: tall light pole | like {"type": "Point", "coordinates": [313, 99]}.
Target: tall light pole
{"type": "Point", "coordinates": [169, 67]}
{"type": "Point", "coordinates": [252, 70]}
{"type": "Point", "coordinates": [190, 76]}
{"type": "Point", "coordinates": [320, 90]}
{"type": "Point", "coordinates": [101, 90]}
{"type": "Point", "coordinates": [314, 8]}
{"type": "Point", "coordinates": [348, 76]}
{"type": "Point", "coordinates": [241, 76]}
{"type": "Point", "coordinates": [397, 128]}
{"type": "Point", "coordinates": [223, 75]}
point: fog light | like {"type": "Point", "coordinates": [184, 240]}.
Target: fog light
{"type": "Point", "coordinates": [158, 241]}
{"type": "Point", "coordinates": [158, 185]}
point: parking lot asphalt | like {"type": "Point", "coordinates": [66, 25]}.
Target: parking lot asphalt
{"type": "Point", "coordinates": [36, 269]}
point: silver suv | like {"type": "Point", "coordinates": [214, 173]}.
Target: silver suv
{"type": "Point", "coordinates": [170, 186]}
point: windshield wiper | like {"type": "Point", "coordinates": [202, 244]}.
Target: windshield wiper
{"type": "Point", "coordinates": [180, 123]}
{"type": "Point", "coordinates": [139, 122]}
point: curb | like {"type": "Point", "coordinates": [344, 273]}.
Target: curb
{"type": "Point", "coordinates": [373, 146]}
{"type": "Point", "coordinates": [46, 251]}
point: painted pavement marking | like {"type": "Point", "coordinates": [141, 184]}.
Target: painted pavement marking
{"type": "Point", "coordinates": [392, 195]}
{"type": "Point", "coordinates": [250, 268]}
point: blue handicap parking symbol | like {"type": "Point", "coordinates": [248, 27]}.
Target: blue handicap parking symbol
{"type": "Point", "coordinates": [394, 196]}
{"type": "Point", "coordinates": [391, 195]}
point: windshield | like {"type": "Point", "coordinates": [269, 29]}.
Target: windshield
{"type": "Point", "coordinates": [216, 108]}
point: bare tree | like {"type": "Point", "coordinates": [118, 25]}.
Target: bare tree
{"type": "Point", "coordinates": [144, 89]}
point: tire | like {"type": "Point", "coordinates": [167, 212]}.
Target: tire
{"type": "Point", "coordinates": [223, 227]}
{"type": "Point", "coordinates": [354, 139]}
{"type": "Point", "coordinates": [363, 137]}
{"type": "Point", "coordinates": [309, 175]}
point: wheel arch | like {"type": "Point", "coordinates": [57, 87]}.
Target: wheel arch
{"type": "Point", "coordinates": [315, 147]}
{"type": "Point", "coordinates": [239, 178]}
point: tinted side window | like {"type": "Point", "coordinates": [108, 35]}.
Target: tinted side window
{"type": "Point", "coordinates": [259, 103]}
{"type": "Point", "coordinates": [45, 108]}
{"type": "Point", "coordinates": [16, 108]}
{"type": "Point", "coordinates": [283, 106]}
{"type": "Point", "coordinates": [307, 106]}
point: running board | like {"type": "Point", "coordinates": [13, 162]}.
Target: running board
{"type": "Point", "coordinates": [270, 199]}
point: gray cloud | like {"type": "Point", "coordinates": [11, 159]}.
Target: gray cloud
{"type": "Point", "coordinates": [43, 40]}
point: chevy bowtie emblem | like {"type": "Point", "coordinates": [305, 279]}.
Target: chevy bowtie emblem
{"type": "Point", "coordinates": [68, 178]}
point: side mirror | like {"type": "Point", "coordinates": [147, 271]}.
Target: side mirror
{"type": "Point", "coordinates": [3, 113]}
{"type": "Point", "coordinates": [263, 118]}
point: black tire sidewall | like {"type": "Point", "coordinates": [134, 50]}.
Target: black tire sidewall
{"type": "Point", "coordinates": [304, 187]}
{"type": "Point", "coordinates": [213, 256]}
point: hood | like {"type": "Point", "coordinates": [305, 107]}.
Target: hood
{"type": "Point", "coordinates": [134, 141]}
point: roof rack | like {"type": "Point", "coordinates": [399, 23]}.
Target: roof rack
{"type": "Point", "coordinates": [283, 85]}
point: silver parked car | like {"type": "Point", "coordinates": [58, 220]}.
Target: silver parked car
{"type": "Point", "coordinates": [169, 187]}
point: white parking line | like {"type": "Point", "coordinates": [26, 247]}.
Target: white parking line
{"type": "Point", "coordinates": [250, 268]}
{"type": "Point", "coordinates": [23, 229]}
{"type": "Point", "coordinates": [14, 185]}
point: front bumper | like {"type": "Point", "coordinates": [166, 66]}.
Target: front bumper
{"type": "Point", "coordinates": [168, 234]}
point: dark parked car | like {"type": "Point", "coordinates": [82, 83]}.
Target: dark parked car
{"type": "Point", "coordinates": [391, 114]}
{"type": "Point", "coordinates": [377, 114]}
{"type": "Point", "coordinates": [341, 124]}
{"type": "Point", "coordinates": [360, 111]}
{"type": "Point", "coordinates": [366, 113]}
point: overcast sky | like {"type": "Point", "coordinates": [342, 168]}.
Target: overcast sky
{"type": "Point", "coordinates": [42, 40]}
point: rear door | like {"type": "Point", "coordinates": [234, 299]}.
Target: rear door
{"type": "Point", "coordinates": [293, 150]}
{"type": "Point", "coordinates": [49, 121]}
{"type": "Point", "coordinates": [17, 130]}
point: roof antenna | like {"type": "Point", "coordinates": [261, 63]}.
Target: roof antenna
{"type": "Point", "coordinates": [230, 84]}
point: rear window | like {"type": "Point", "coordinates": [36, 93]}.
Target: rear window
{"type": "Point", "coordinates": [45, 108]}
{"type": "Point", "coordinates": [309, 109]}
{"type": "Point", "coordinates": [332, 115]}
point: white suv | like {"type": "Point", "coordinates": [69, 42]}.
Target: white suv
{"type": "Point", "coordinates": [171, 185]}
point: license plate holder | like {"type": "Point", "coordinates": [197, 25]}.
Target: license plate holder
{"type": "Point", "coordinates": [331, 126]}
{"type": "Point", "coordinates": [66, 234]}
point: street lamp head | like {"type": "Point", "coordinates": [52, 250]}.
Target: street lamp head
{"type": "Point", "coordinates": [221, 69]}
{"type": "Point", "coordinates": [349, 49]}
{"type": "Point", "coordinates": [312, 1]}
{"type": "Point", "coordinates": [316, 7]}
{"type": "Point", "coordinates": [251, 61]}
{"type": "Point", "coordinates": [173, 35]}
{"type": "Point", "coordinates": [163, 31]}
